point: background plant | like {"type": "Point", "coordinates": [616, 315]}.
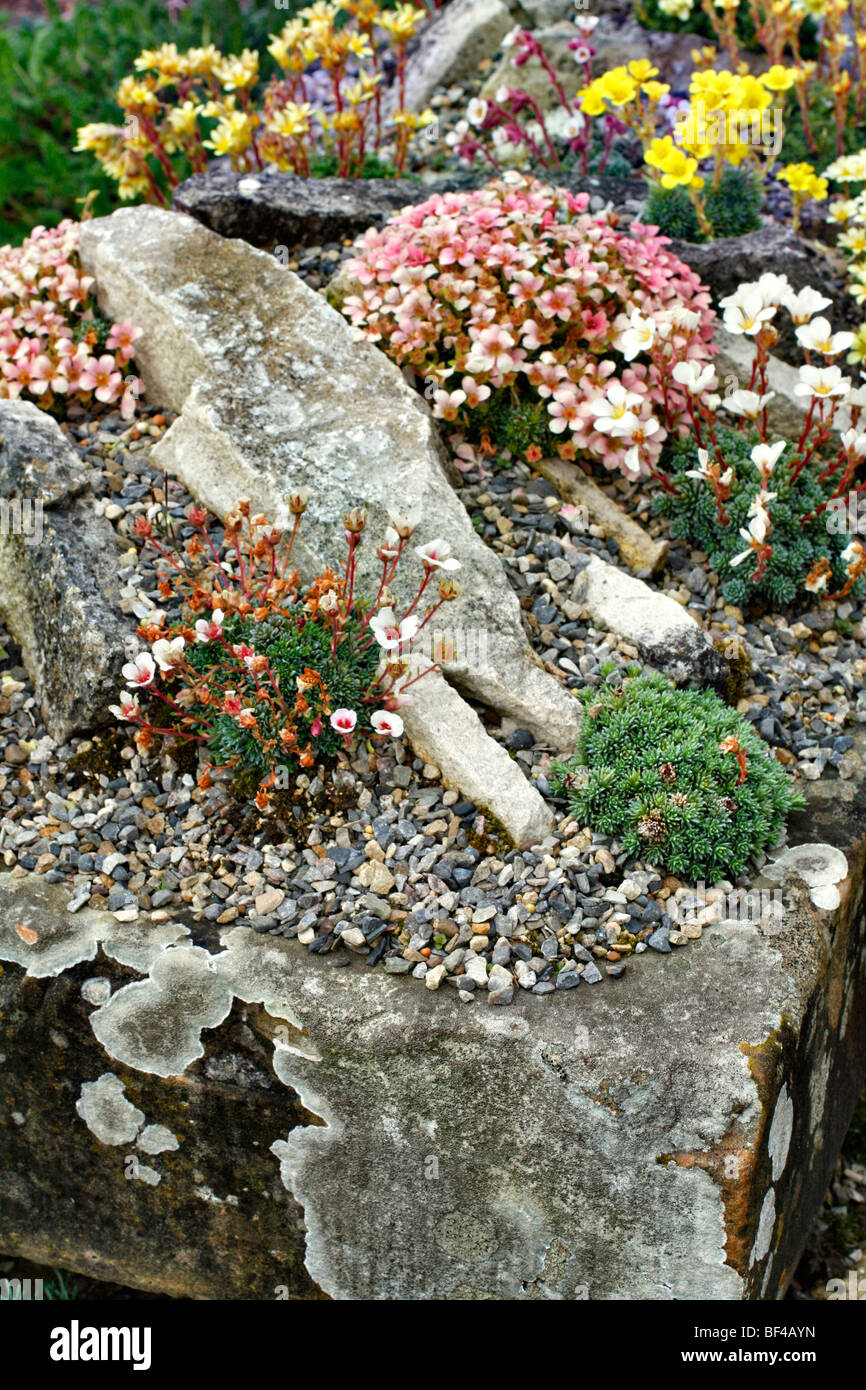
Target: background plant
{"type": "Point", "coordinates": [54, 345]}
{"type": "Point", "coordinates": [677, 775]}
{"type": "Point", "coordinates": [265, 675]}
{"type": "Point", "coordinates": [179, 106]}
{"type": "Point", "coordinates": [59, 73]}
{"type": "Point", "coordinates": [516, 309]}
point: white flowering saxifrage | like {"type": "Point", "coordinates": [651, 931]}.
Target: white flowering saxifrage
{"type": "Point", "coordinates": [54, 347]}
{"type": "Point", "coordinates": [271, 675]}
{"type": "Point", "coordinates": [766, 510]}
{"type": "Point", "coordinates": [543, 330]}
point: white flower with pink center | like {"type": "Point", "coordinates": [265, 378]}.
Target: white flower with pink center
{"type": "Point", "coordinates": [387, 723]}
{"type": "Point", "coordinates": [128, 707]}
{"type": "Point", "coordinates": [141, 670]}
{"type": "Point", "coordinates": [344, 721]}
{"type": "Point", "coordinates": [436, 555]}
{"type": "Point", "coordinates": [169, 653]}
{"type": "Point", "coordinates": [391, 634]}
{"type": "Point", "coordinates": [210, 629]}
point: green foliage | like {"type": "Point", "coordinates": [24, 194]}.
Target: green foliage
{"type": "Point", "coordinates": [649, 769]}
{"type": "Point", "coordinates": [732, 209]}
{"type": "Point", "coordinates": [673, 212]}
{"type": "Point", "coordinates": [822, 124]}
{"type": "Point", "coordinates": [520, 427]}
{"type": "Point", "coordinates": [61, 73]}
{"type": "Point", "coordinates": [797, 541]}
{"type": "Point", "coordinates": [292, 645]}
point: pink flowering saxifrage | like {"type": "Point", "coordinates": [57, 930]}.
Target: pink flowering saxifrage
{"type": "Point", "coordinates": [53, 345]}
{"type": "Point", "coordinates": [511, 297]}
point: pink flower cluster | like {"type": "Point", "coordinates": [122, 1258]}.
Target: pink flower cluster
{"type": "Point", "coordinates": [513, 293]}
{"type": "Point", "coordinates": [51, 343]}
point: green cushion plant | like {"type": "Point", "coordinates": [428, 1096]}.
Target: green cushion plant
{"type": "Point", "coordinates": [677, 775]}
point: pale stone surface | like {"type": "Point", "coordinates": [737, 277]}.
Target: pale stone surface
{"type": "Point", "coordinates": [59, 591]}
{"type": "Point", "coordinates": [445, 730]}
{"type": "Point", "coordinates": [616, 38]}
{"type": "Point", "coordinates": [452, 46]}
{"type": "Point", "coordinates": [666, 636]}
{"type": "Point", "coordinates": [274, 393]}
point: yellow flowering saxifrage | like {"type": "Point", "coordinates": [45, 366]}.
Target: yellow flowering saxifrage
{"type": "Point", "coordinates": [181, 108]}
{"type": "Point", "coordinates": [732, 119]}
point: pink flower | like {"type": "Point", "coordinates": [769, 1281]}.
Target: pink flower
{"type": "Point", "coordinates": [344, 721]}
{"type": "Point", "coordinates": [122, 337]}
{"type": "Point", "coordinates": [102, 378]}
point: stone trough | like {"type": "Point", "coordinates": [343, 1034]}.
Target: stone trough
{"type": "Point", "coordinates": [209, 1113]}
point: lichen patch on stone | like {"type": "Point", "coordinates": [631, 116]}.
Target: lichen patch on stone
{"type": "Point", "coordinates": [105, 1110]}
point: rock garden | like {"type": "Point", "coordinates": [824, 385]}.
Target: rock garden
{"type": "Point", "coordinates": [432, 652]}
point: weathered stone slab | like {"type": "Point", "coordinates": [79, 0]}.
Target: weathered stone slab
{"type": "Point", "coordinates": [445, 731]}
{"type": "Point", "coordinates": [58, 573]}
{"type": "Point", "coordinates": [665, 634]}
{"type": "Point", "coordinates": [274, 394]}
{"type": "Point", "coordinates": [348, 1133]}
{"type": "Point", "coordinates": [273, 209]}
{"type": "Point", "coordinates": [451, 47]}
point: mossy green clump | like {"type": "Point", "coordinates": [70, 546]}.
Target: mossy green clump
{"type": "Point", "coordinates": [662, 769]}
{"type": "Point", "coordinates": [733, 209]}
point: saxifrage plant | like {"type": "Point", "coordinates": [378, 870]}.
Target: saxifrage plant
{"type": "Point", "coordinates": [678, 776]}
{"type": "Point", "coordinates": [516, 308]}
{"type": "Point", "coordinates": [772, 514]}
{"type": "Point", "coordinates": [268, 677]}
{"type": "Point", "coordinates": [54, 345]}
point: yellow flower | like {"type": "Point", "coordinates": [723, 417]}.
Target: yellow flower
{"type": "Point", "coordinates": [166, 60]}
{"type": "Point", "coordinates": [233, 134]}
{"type": "Point", "coordinates": [674, 165]}
{"type": "Point", "coordinates": [854, 241]}
{"type": "Point", "coordinates": [778, 78]}
{"type": "Point", "coordinates": [617, 86]}
{"type": "Point", "coordinates": [858, 347]}
{"type": "Point", "coordinates": [180, 125]}
{"type": "Point", "coordinates": [401, 23]}
{"type": "Point", "coordinates": [641, 69]}
{"type": "Point", "coordinates": [239, 72]}
{"type": "Point", "coordinates": [750, 95]}
{"type": "Point", "coordinates": [591, 100]}
{"type": "Point", "coordinates": [135, 95]}
{"type": "Point", "coordinates": [797, 177]}
{"type": "Point", "coordinates": [293, 119]}
{"type": "Point", "coordinates": [842, 211]}
{"type": "Point", "coordinates": [654, 91]}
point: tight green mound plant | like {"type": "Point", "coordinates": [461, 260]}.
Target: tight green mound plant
{"type": "Point", "coordinates": [733, 209]}
{"type": "Point", "coordinates": [678, 776]}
